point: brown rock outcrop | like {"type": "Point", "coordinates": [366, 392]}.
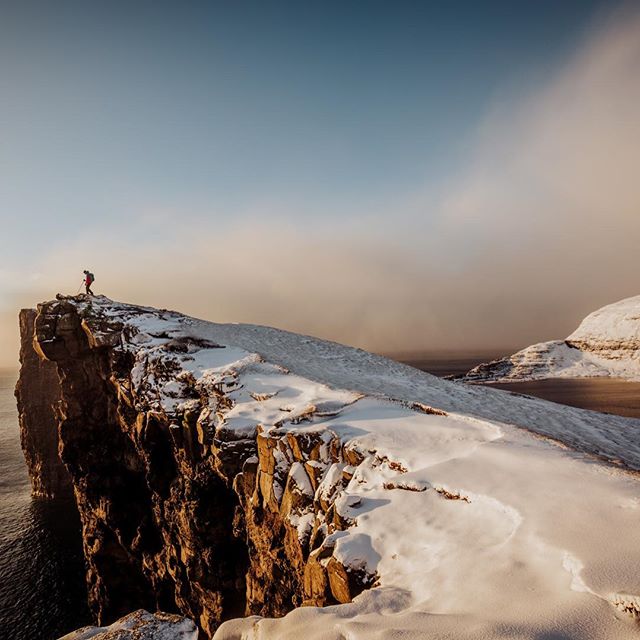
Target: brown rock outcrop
{"type": "Point", "coordinates": [38, 394]}
{"type": "Point", "coordinates": [182, 511]}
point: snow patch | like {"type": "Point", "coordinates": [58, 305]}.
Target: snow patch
{"type": "Point", "coordinates": [140, 625]}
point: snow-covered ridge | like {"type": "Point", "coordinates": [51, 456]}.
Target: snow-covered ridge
{"type": "Point", "coordinates": [467, 526]}
{"type": "Point", "coordinates": [616, 326]}
{"type": "Point", "coordinates": [606, 344]}
{"type": "Point", "coordinates": [612, 438]}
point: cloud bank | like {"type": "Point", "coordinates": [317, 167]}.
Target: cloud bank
{"type": "Point", "coordinates": [539, 228]}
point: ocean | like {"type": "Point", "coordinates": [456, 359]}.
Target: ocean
{"type": "Point", "coordinates": [607, 395]}
{"type": "Point", "coordinates": [42, 588]}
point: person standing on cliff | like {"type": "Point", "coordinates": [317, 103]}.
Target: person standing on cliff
{"type": "Point", "coordinates": [88, 281]}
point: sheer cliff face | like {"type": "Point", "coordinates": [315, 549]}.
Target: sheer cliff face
{"type": "Point", "coordinates": [38, 394]}
{"type": "Point", "coordinates": [196, 491]}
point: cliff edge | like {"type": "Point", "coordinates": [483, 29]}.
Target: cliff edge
{"type": "Point", "coordinates": [224, 471]}
{"type": "Point", "coordinates": [38, 395]}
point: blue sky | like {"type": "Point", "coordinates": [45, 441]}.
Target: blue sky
{"type": "Point", "coordinates": [149, 124]}
{"type": "Point", "coordinates": [110, 108]}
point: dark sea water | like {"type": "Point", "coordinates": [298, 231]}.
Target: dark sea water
{"type": "Point", "coordinates": [608, 395]}
{"type": "Point", "coordinates": [42, 590]}
{"type": "Point", "coordinates": [449, 363]}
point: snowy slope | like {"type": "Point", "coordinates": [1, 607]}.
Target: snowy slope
{"type": "Point", "coordinates": [611, 437]}
{"type": "Point", "coordinates": [616, 326]}
{"type": "Point", "coordinates": [472, 527]}
{"type": "Point", "coordinates": [606, 344]}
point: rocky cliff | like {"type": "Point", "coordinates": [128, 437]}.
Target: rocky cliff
{"type": "Point", "coordinates": [38, 395]}
{"type": "Point", "coordinates": [190, 500]}
{"type": "Point", "coordinates": [224, 471]}
{"type": "Point", "coordinates": [606, 344]}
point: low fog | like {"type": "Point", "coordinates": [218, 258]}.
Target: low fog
{"type": "Point", "coordinates": [539, 228]}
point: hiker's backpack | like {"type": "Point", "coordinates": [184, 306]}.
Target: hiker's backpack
{"type": "Point", "coordinates": [91, 278]}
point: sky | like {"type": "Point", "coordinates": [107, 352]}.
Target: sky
{"type": "Point", "coordinates": [399, 176]}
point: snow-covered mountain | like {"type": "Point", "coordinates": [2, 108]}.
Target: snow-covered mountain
{"type": "Point", "coordinates": [606, 344]}
{"type": "Point", "coordinates": [325, 493]}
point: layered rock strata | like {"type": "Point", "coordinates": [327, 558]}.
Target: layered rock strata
{"type": "Point", "coordinates": [606, 344]}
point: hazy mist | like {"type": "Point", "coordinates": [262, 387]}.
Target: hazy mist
{"type": "Point", "coordinates": [540, 227]}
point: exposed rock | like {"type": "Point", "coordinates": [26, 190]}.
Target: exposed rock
{"type": "Point", "coordinates": [189, 503]}
{"type": "Point", "coordinates": [344, 585]}
{"type": "Point", "coordinates": [141, 625]}
{"type": "Point", "coordinates": [38, 395]}
{"type": "Point", "coordinates": [213, 482]}
{"type": "Point", "coordinates": [627, 603]}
